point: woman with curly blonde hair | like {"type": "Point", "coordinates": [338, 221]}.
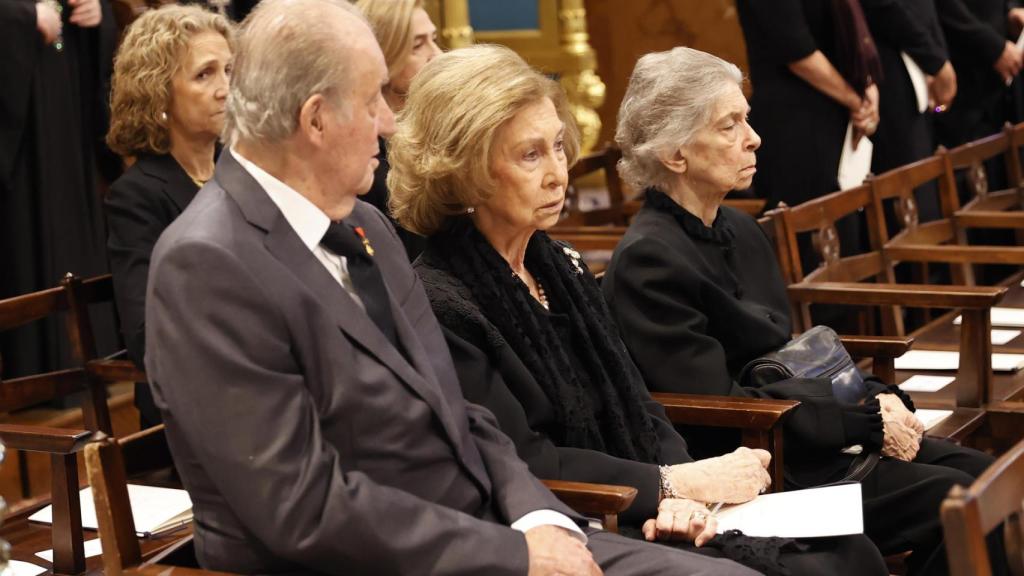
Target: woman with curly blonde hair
{"type": "Point", "coordinates": [167, 112]}
{"type": "Point", "coordinates": [408, 40]}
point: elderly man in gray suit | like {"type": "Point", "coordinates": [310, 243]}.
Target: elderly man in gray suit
{"type": "Point", "coordinates": [310, 401]}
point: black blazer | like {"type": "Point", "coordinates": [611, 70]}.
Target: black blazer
{"type": "Point", "coordinates": [140, 205]}
{"type": "Point", "coordinates": [492, 375]}
{"type": "Point", "coordinates": [695, 304]}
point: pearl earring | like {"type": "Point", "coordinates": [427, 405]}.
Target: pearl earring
{"type": "Point", "coordinates": [470, 210]}
{"type": "Point", "coordinates": [163, 116]}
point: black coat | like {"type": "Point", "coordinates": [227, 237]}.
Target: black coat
{"type": "Point", "coordinates": [492, 375]}
{"type": "Point", "coordinates": [140, 205]}
{"type": "Point", "coordinates": [378, 195]}
{"type": "Point", "coordinates": [695, 304]}
{"type": "Point", "coordinates": [976, 31]}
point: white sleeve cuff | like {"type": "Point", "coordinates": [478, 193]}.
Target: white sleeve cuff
{"type": "Point", "coordinates": [548, 517]}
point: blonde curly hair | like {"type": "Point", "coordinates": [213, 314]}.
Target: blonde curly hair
{"type": "Point", "coordinates": [151, 52]}
{"type": "Point", "coordinates": [441, 154]}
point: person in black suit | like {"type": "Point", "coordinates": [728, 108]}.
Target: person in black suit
{"type": "Point", "coordinates": [169, 88]}
{"type": "Point", "coordinates": [311, 404]}
{"type": "Point", "coordinates": [529, 334]}
{"type": "Point", "coordinates": [409, 41]}
{"type": "Point", "coordinates": [697, 294]}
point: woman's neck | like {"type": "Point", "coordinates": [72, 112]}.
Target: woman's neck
{"type": "Point", "coordinates": [510, 245]}
{"type": "Point", "coordinates": [702, 204]}
{"type": "Point", "coordinates": [194, 155]}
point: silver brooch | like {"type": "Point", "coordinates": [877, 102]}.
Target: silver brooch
{"type": "Point", "coordinates": [575, 257]}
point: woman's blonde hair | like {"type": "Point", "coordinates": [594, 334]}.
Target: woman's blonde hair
{"type": "Point", "coordinates": [391, 21]}
{"type": "Point", "coordinates": [440, 155]}
{"type": "Point", "coordinates": [151, 52]}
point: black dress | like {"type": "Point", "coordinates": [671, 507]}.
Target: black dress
{"type": "Point", "coordinates": [52, 108]}
{"type": "Point", "coordinates": [378, 195]}
{"type": "Point", "coordinates": [140, 205]}
{"type": "Point", "coordinates": [694, 304]}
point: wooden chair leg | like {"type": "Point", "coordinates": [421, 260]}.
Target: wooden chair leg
{"type": "Point", "coordinates": [68, 540]}
{"type": "Point", "coordinates": [974, 376]}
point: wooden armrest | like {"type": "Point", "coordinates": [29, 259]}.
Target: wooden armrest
{"type": "Point", "coordinates": [725, 411]}
{"type": "Point", "coordinates": [876, 346]}
{"type": "Point", "coordinates": [913, 295]}
{"type": "Point", "coordinates": [44, 438]}
{"type": "Point", "coordinates": [604, 501]}
{"type": "Point", "coordinates": [111, 370]}
{"type": "Point", "coordinates": [988, 219]}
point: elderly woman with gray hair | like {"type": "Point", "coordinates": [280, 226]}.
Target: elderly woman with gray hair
{"type": "Point", "coordinates": [697, 294]}
{"type": "Point", "coordinates": [479, 165]}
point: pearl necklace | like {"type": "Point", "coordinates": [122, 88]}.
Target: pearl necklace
{"type": "Point", "coordinates": [542, 296]}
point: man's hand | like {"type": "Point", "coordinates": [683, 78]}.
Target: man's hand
{"type": "Point", "coordinates": [733, 478]}
{"type": "Point", "coordinates": [1015, 18]}
{"type": "Point", "coordinates": [47, 22]}
{"type": "Point", "coordinates": [903, 431]}
{"type": "Point", "coordinates": [865, 118]}
{"type": "Point", "coordinates": [1009, 63]}
{"type": "Point", "coordinates": [681, 519]}
{"type": "Point", "coordinates": [942, 87]}
{"type": "Point", "coordinates": [85, 13]}
{"type": "Point", "coordinates": [553, 551]}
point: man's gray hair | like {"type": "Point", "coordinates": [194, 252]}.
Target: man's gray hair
{"type": "Point", "coordinates": [287, 51]}
{"type": "Point", "coordinates": [671, 95]}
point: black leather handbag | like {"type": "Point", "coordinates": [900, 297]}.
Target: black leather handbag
{"type": "Point", "coordinates": [817, 353]}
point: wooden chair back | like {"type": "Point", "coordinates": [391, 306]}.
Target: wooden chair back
{"type": "Point", "coordinates": [604, 160]}
{"type": "Point", "coordinates": [969, 514]}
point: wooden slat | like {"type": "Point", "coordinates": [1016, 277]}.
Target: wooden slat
{"type": "Point", "coordinates": [956, 254]}
{"type": "Point", "coordinates": [897, 294]}
{"type": "Point", "coordinates": [105, 466]}
{"type": "Point", "coordinates": [31, 390]}
{"type": "Point", "coordinates": [112, 371]}
{"type": "Point", "coordinates": [988, 219]}
{"type": "Point", "coordinates": [44, 438]}
{"type": "Point", "coordinates": [21, 310]}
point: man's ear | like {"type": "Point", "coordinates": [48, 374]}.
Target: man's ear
{"type": "Point", "coordinates": [675, 161]}
{"type": "Point", "coordinates": [313, 117]}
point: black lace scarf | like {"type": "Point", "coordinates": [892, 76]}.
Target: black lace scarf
{"type": "Point", "coordinates": [623, 428]}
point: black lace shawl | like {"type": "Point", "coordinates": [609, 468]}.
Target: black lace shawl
{"type": "Point", "coordinates": [623, 427]}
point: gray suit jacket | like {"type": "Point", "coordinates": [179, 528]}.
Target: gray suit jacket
{"type": "Point", "coordinates": [307, 441]}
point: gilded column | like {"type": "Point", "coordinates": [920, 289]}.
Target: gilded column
{"type": "Point", "coordinates": [456, 33]}
{"type": "Point", "coordinates": [580, 80]}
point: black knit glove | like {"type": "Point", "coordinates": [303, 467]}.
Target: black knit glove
{"type": "Point", "coordinates": [862, 424]}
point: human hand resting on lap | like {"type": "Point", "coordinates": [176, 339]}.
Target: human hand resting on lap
{"type": "Point", "coordinates": [681, 519]}
{"type": "Point", "coordinates": [554, 551]}
{"type": "Point", "coordinates": [732, 478]}
{"type": "Point", "coordinates": [903, 431]}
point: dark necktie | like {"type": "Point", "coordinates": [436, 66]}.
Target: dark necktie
{"type": "Point", "coordinates": [347, 241]}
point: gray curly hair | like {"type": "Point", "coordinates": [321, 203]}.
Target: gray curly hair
{"type": "Point", "coordinates": [671, 95]}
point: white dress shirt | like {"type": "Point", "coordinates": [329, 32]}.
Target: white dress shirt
{"type": "Point", "coordinates": [310, 223]}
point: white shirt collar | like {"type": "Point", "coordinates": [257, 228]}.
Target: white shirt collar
{"type": "Point", "coordinates": [309, 222]}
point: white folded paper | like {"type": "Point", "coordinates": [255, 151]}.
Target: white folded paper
{"type": "Point", "coordinates": [918, 81]}
{"type": "Point", "coordinates": [92, 548]}
{"type": "Point", "coordinates": [925, 383]}
{"type": "Point", "coordinates": [1000, 337]}
{"type": "Point", "coordinates": [155, 510]}
{"type": "Point", "coordinates": [854, 165]}
{"type": "Point", "coordinates": [19, 568]}
{"type": "Point", "coordinates": [1008, 317]}
{"type": "Point", "coordinates": [931, 417]}
{"type": "Point", "coordinates": [944, 360]}
{"type": "Point", "coordinates": [815, 512]}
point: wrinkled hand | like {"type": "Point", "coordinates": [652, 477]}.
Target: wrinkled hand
{"type": "Point", "coordinates": [865, 118]}
{"type": "Point", "coordinates": [733, 478]}
{"type": "Point", "coordinates": [893, 407]}
{"type": "Point", "coordinates": [48, 22]}
{"type": "Point", "coordinates": [1009, 63]}
{"type": "Point", "coordinates": [681, 519]}
{"type": "Point", "coordinates": [942, 87]}
{"type": "Point", "coordinates": [903, 431]}
{"type": "Point", "coordinates": [553, 551]}
{"type": "Point", "coordinates": [85, 13]}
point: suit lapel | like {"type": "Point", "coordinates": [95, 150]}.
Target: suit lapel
{"type": "Point", "coordinates": [285, 245]}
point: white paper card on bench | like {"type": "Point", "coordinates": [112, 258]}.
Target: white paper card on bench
{"type": "Point", "coordinates": [154, 509]}
{"type": "Point", "coordinates": [1008, 317]}
{"type": "Point", "coordinates": [92, 548]}
{"type": "Point", "coordinates": [19, 568]}
{"type": "Point", "coordinates": [931, 417]}
{"type": "Point", "coordinates": [943, 360]}
{"type": "Point", "coordinates": [925, 383]}
{"type": "Point", "coordinates": [854, 165]}
{"type": "Point", "coordinates": [811, 513]}
{"type": "Point", "coordinates": [1000, 337]}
